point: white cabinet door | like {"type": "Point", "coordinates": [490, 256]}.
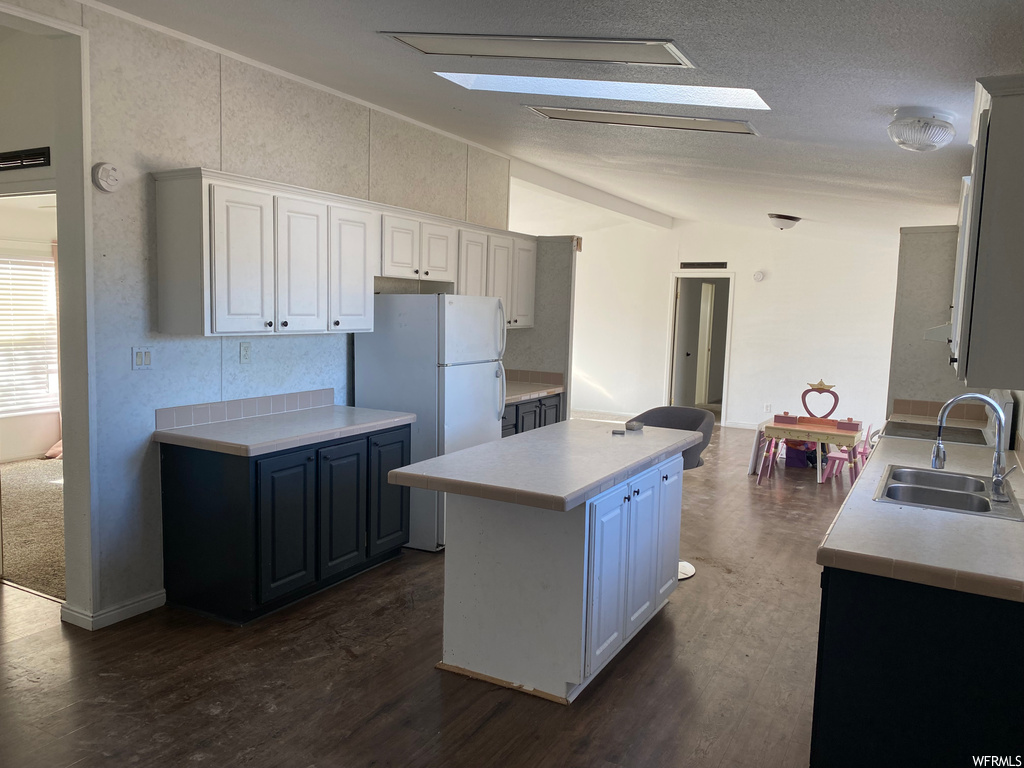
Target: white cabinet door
{"type": "Point", "coordinates": [606, 611]}
{"type": "Point", "coordinates": [301, 266]}
{"type": "Point", "coordinates": [499, 271]}
{"type": "Point", "coordinates": [401, 256]}
{"type": "Point", "coordinates": [524, 282]}
{"type": "Point", "coordinates": [642, 557]}
{"type": "Point", "coordinates": [439, 252]}
{"type": "Point", "coordinates": [355, 243]}
{"type": "Point", "coordinates": [472, 263]}
{"type": "Point", "coordinates": [670, 502]}
{"type": "Point", "coordinates": [243, 260]}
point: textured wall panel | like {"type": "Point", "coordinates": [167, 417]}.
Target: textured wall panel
{"type": "Point", "coordinates": [487, 189]}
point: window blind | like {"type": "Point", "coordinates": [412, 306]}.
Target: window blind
{"type": "Point", "coordinates": [28, 336]}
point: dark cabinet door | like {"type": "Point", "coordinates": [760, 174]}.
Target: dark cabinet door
{"type": "Point", "coordinates": [287, 519]}
{"type": "Point", "coordinates": [529, 416]}
{"type": "Point", "coordinates": [389, 504]}
{"type": "Point", "coordinates": [343, 478]}
{"type": "Point", "coordinates": [550, 410]}
{"type": "Point", "coordinates": [508, 421]}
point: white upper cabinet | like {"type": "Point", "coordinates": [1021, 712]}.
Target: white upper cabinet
{"type": "Point", "coordinates": [524, 283]}
{"type": "Point", "coordinates": [439, 252]}
{"type": "Point", "coordinates": [401, 248]}
{"type": "Point", "coordinates": [499, 272]}
{"type": "Point", "coordinates": [355, 245]}
{"type": "Point", "coordinates": [472, 263]}
{"type": "Point", "coordinates": [301, 266]}
{"type": "Point", "coordinates": [243, 261]}
{"type": "Point", "coordinates": [419, 250]}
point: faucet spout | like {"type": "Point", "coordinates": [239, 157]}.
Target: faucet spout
{"type": "Point", "coordinates": [999, 457]}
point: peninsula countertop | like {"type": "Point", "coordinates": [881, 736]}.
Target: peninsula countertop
{"type": "Point", "coordinates": [555, 467]}
{"type": "Point", "coordinates": [966, 553]}
{"type": "Point", "coordinates": [258, 435]}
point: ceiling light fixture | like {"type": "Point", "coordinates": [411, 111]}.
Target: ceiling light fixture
{"type": "Point", "coordinates": [783, 221]}
{"type": "Point", "coordinates": [643, 120]}
{"type": "Point", "coordinates": [660, 93]}
{"type": "Point", "coordinates": [921, 129]}
{"type": "Point", "coordinates": [649, 52]}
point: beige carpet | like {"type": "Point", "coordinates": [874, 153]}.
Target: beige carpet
{"type": "Point", "coordinates": [32, 508]}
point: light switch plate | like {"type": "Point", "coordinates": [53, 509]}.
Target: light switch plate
{"type": "Point", "coordinates": [142, 358]}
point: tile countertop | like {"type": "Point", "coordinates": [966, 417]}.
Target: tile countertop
{"type": "Point", "coordinates": [967, 553]}
{"type": "Point", "coordinates": [518, 391]}
{"type": "Point", "coordinates": [555, 467]}
{"type": "Point", "coordinates": [258, 435]}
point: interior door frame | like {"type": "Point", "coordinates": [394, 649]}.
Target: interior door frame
{"type": "Point", "coordinates": [676, 275]}
{"type": "Point", "coordinates": [705, 335]}
{"type": "Point", "coordinates": [69, 179]}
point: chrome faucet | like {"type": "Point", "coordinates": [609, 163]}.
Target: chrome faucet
{"type": "Point", "coordinates": [999, 472]}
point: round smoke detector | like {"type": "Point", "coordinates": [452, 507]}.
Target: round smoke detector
{"type": "Point", "coordinates": [920, 129]}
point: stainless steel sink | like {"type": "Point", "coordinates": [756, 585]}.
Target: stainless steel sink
{"type": "Point", "coordinates": [947, 491]}
{"type": "Point", "coordinates": [935, 479]}
{"type": "Point", "coordinates": [967, 435]}
{"type": "Point", "coordinates": [922, 496]}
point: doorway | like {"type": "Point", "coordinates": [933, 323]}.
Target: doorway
{"type": "Point", "coordinates": [700, 340]}
{"type": "Point", "coordinates": [31, 452]}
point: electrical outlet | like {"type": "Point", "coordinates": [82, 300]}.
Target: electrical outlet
{"type": "Point", "coordinates": [767, 407]}
{"type": "Point", "coordinates": [142, 358]}
{"type": "Point", "coordinates": [245, 353]}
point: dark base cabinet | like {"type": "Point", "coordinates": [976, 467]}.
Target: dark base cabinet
{"type": "Point", "coordinates": [531, 414]}
{"type": "Point", "coordinates": [244, 536]}
{"type": "Point", "coordinates": [912, 675]}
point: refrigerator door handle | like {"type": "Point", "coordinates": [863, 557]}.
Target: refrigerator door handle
{"type": "Point", "coordinates": [504, 328]}
{"type": "Point", "coordinates": [501, 401]}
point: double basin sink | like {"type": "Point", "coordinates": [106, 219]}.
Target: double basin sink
{"type": "Point", "coordinates": [948, 491]}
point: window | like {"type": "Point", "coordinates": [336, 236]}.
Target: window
{"type": "Point", "coordinates": [28, 335]}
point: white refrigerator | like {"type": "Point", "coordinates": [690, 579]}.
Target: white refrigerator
{"type": "Point", "coordinates": [437, 356]}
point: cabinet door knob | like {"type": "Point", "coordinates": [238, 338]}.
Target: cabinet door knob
{"type": "Point", "coordinates": [337, 323]}
{"type": "Point", "coordinates": [952, 360]}
{"type": "Point", "coordinates": [626, 500]}
{"type": "Point", "coordinates": [426, 273]}
{"type": "Point", "coordinates": [284, 323]}
{"type": "Point", "coordinates": [664, 478]}
{"type": "Point", "coordinates": [516, 320]}
{"type": "Point", "coordinates": [309, 458]}
{"type": "Point", "coordinates": [636, 491]}
{"type": "Point", "coordinates": [415, 271]}
{"type": "Point", "coordinates": [269, 323]}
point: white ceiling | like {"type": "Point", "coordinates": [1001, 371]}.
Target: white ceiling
{"type": "Point", "coordinates": [831, 71]}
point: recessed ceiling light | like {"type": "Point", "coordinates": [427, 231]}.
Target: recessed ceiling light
{"type": "Point", "coordinates": [693, 95]}
{"type": "Point", "coordinates": [655, 52]}
{"type": "Point", "coordinates": [641, 120]}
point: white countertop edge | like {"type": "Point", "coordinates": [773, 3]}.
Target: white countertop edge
{"type": "Point", "coordinates": [179, 437]}
{"type": "Point", "coordinates": [536, 499]}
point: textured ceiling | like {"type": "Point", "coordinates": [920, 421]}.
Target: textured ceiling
{"type": "Point", "coordinates": [832, 73]}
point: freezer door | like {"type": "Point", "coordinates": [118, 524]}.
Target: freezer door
{"type": "Point", "coordinates": [472, 329]}
{"type": "Point", "coordinates": [472, 401]}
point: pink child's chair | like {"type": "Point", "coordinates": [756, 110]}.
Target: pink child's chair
{"type": "Point", "coordinates": [841, 457]}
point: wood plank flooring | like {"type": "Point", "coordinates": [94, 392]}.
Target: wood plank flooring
{"type": "Point", "coordinates": [722, 677]}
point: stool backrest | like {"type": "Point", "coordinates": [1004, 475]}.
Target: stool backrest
{"type": "Point", "coordinates": [683, 417]}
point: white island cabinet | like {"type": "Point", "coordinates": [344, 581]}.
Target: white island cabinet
{"type": "Point", "coordinates": [561, 543]}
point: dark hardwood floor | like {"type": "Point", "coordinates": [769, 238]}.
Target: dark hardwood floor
{"type": "Point", "coordinates": [722, 677]}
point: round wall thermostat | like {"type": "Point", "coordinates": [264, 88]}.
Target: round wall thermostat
{"type": "Point", "coordinates": [106, 177]}
{"type": "Point", "coordinates": [758, 276]}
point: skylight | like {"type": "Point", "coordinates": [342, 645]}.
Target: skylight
{"type": "Point", "coordinates": [658, 93]}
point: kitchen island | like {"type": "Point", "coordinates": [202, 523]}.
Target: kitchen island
{"type": "Point", "coordinates": [919, 658]}
{"type": "Point", "coordinates": [561, 544]}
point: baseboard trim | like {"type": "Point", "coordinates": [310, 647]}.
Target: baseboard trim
{"type": "Point", "coordinates": [740, 425]}
{"type": "Point", "coordinates": [117, 613]}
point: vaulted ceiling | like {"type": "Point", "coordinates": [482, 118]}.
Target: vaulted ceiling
{"type": "Point", "coordinates": [832, 73]}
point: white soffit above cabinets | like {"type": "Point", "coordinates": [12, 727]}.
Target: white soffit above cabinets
{"type": "Point", "coordinates": [643, 120]}
{"type": "Point", "coordinates": [654, 93]}
{"type": "Point", "coordinates": [588, 49]}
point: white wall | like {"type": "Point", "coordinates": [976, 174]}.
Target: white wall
{"type": "Point", "coordinates": [28, 436]}
{"type": "Point", "coordinates": [824, 309]}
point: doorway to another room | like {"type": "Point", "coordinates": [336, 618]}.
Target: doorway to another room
{"type": "Point", "coordinates": [700, 340]}
{"type": "Point", "coordinates": [31, 452]}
